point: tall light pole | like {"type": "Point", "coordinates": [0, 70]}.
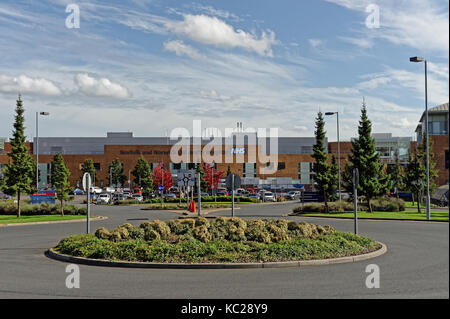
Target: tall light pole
{"type": "Point", "coordinates": [339, 152]}
{"type": "Point", "coordinates": [37, 146]}
{"type": "Point", "coordinates": [421, 59]}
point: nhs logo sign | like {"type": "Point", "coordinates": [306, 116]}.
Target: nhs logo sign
{"type": "Point", "coordinates": [237, 150]}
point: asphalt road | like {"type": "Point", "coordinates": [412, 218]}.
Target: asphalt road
{"type": "Point", "coordinates": [415, 266]}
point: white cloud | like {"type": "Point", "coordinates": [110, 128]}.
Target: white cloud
{"type": "Point", "coordinates": [315, 42]}
{"type": "Point", "coordinates": [364, 43]}
{"type": "Point", "coordinates": [213, 31]}
{"type": "Point", "coordinates": [422, 25]}
{"type": "Point", "coordinates": [100, 87]}
{"type": "Point", "coordinates": [180, 48]}
{"type": "Point", "coordinates": [25, 84]}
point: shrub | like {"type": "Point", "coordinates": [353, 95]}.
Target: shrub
{"type": "Point", "coordinates": [230, 229]}
{"type": "Point", "coordinates": [9, 208]}
{"type": "Point", "coordinates": [381, 204]}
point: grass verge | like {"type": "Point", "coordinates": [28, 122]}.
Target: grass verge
{"type": "Point", "coordinates": [12, 219]}
{"type": "Point", "coordinates": [404, 215]}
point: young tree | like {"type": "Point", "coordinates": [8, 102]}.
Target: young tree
{"type": "Point", "coordinates": [88, 167]}
{"type": "Point", "coordinates": [116, 176]}
{"type": "Point", "coordinates": [60, 179]}
{"type": "Point", "coordinates": [20, 169]}
{"type": "Point", "coordinates": [228, 170]}
{"type": "Point", "coordinates": [160, 174]}
{"type": "Point", "coordinates": [143, 175]}
{"type": "Point", "coordinates": [373, 182]}
{"type": "Point", "coordinates": [322, 177]}
{"type": "Point", "coordinates": [334, 174]}
{"type": "Point", "coordinates": [203, 182]}
{"type": "Point", "coordinates": [396, 172]}
{"type": "Point", "coordinates": [422, 150]}
{"type": "Point", "coordinates": [212, 177]}
{"type": "Point", "coordinates": [415, 178]}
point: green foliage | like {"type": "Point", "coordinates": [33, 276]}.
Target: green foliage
{"type": "Point", "coordinates": [60, 179]}
{"type": "Point", "coordinates": [380, 205]}
{"type": "Point", "coordinates": [373, 182]}
{"type": "Point", "coordinates": [329, 245]}
{"type": "Point", "coordinates": [396, 173]}
{"type": "Point", "coordinates": [9, 208]}
{"type": "Point", "coordinates": [416, 174]}
{"type": "Point", "coordinates": [20, 170]}
{"type": "Point", "coordinates": [143, 175]}
{"type": "Point", "coordinates": [116, 176]}
{"type": "Point", "coordinates": [88, 167]}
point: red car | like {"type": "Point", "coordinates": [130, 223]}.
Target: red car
{"type": "Point", "coordinates": [222, 193]}
{"type": "Point", "coordinates": [137, 191]}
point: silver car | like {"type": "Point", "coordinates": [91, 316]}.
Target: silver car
{"type": "Point", "coordinates": [103, 198]}
{"type": "Point", "coordinates": [269, 197]}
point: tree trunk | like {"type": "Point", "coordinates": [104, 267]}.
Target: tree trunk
{"type": "Point", "coordinates": [62, 208]}
{"type": "Point", "coordinates": [18, 204]}
{"type": "Point", "coordinates": [418, 205]}
{"type": "Point", "coordinates": [370, 206]}
{"type": "Point", "coordinates": [326, 202]}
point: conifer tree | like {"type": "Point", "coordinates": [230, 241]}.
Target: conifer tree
{"type": "Point", "coordinates": [60, 179]}
{"type": "Point", "coordinates": [88, 167]}
{"type": "Point", "coordinates": [396, 173]}
{"type": "Point", "coordinates": [20, 169]}
{"type": "Point", "coordinates": [116, 176]}
{"type": "Point", "coordinates": [373, 182]}
{"type": "Point", "coordinates": [322, 170]}
{"type": "Point", "coordinates": [143, 175]}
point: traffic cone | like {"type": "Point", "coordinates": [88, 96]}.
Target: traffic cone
{"type": "Point", "coordinates": [192, 207]}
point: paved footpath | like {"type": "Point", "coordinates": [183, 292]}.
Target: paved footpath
{"type": "Point", "coordinates": [415, 266]}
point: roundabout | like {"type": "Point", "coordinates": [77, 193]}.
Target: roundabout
{"type": "Point", "coordinates": [414, 266]}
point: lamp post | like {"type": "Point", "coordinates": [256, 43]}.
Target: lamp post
{"type": "Point", "coordinates": [421, 59]}
{"type": "Point", "coordinates": [339, 152]}
{"type": "Point", "coordinates": [37, 146]}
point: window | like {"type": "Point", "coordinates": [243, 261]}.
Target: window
{"type": "Point", "coordinates": [249, 169]}
{"type": "Point", "coordinates": [281, 165]}
{"type": "Point", "coordinates": [176, 166]}
{"type": "Point", "coordinates": [97, 166]}
{"type": "Point", "coordinates": [305, 172]}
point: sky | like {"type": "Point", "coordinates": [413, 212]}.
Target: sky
{"type": "Point", "coordinates": [150, 66]}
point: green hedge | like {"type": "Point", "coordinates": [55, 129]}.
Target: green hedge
{"type": "Point", "coordinates": [10, 208]}
{"type": "Point", "coordinates": [224, 240]}
{"type": "Point", "coordinates": [381, 205]}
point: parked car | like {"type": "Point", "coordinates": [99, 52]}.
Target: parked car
{"type": "Point", "coordinates": [269, 197]}
{"type": "Point", "coordinates": [292, 195]}
{"type": "Point", "coordinates": [103, 198]}
{"type": "Point", "coordinates": [138, 197]}
{"type": "Point", "coordinates": [77, 191]}
{"type": "Point", "coordinates": [4, 196]}
{"type": "Point", "coordinates": [254, 196]}
{"type": "Point", "coordinates": [95, 190]}
{"type": "Point", "coordinates": [118, 197]}
{"type": "Point", "coordinates": [137, 191]}
{"type": "Point", "coordinates": [171, 195]}
{"type": "Point", "coordinates": [126, 194]}
{"type": "Point", "coordinates": [222, 193]}
{"type": "Point", "coordinates": [149, 195]}
{"type": "Point", "coordinates": [110, 190]}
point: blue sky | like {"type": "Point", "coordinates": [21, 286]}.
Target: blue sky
{"type": "Point", "coordinates": [149, 66]}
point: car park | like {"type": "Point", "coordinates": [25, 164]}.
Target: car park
{"type": "Point", "coordinates": [126, 194]}
{"type": "Point", "coordinates": [171, 195]}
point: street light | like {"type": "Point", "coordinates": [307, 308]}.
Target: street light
{"type": "Point", "coordinates": [339, 152]}
{"type": "Point", "coordinates": [421, 59]}
{"type": "Point", "coordinates": [37, 146]}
